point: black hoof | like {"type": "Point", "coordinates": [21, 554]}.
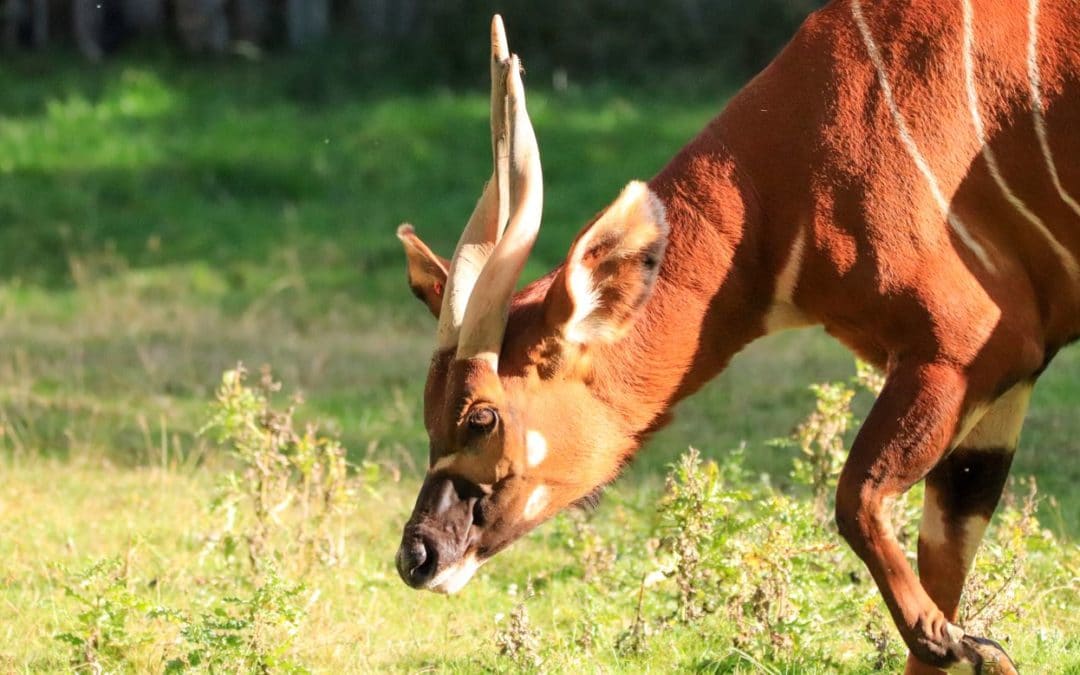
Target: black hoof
{"type": "Point", "coordinates": [988, 657]}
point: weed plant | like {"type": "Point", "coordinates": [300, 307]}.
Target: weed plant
{"type": "Point", "coordinates": [747, 570]}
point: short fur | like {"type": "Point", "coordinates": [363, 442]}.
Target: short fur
{"type": "Point", "coordinates": [927, 155]}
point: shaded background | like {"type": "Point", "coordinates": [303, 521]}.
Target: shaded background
{"type": "Point", "coordinates": [572, 39]}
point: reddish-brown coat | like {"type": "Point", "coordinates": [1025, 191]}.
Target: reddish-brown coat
{"type": "Point", "coordinates": [811, 148]}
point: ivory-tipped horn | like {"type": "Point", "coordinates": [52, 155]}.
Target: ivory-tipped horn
{"type": "Point", "coordinates": [488, 219]}
{"type": "Point", "coordinates": [485, 319]}
{"type": "Point", "coordinates": [500, 137]}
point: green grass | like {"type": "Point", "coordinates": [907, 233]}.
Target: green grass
{"type": "Point", "coordinates": [159, 223]}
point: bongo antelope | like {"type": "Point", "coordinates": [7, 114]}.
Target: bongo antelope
{"type": "Point", "coordinates": [905, 173]}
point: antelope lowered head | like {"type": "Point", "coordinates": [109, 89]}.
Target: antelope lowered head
{"type": "Point", "coordinates": [517, 430]}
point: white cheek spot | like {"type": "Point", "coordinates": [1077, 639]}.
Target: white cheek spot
{"type": "Point", "coordinates": [536, 448]}
{"type": "Point", "coordinates": [537, 502]}
{"type": "Point", "coordinates": [453, 578]}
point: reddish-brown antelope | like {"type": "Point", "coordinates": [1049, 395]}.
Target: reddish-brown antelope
{"type": "Point", "coordinates": [904, 173]}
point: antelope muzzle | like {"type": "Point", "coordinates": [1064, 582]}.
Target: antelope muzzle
{"type": "Point", "coordinates": [437, 550]}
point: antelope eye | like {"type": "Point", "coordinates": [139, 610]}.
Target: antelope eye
{"type": "Point", "coordinates": [482, 419]}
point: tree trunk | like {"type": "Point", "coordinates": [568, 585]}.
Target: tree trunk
{"type": "Point", "coordinates": [144, 16]}
{"type": "Point", "coordinates": [25, 23]}
{"type": "Point", "coordinates": [306, 21]}
{"type": "Point", "coordinates": [39, 26]}
{"type": "Point", "coordinates": [203, 25]}
{"type": "Point", "coordinates": [86, 20]}
{"type": "Point", "coordinates": [10, 13]}
{"type": "Point", "coordinates": [251, 20]}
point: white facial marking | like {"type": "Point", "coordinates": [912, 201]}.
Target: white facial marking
{"type": "Point", "coordinates": [1038, 111]}
{"type": "Point", "coordinates": [988, 154]}
{"type": "Point", "coordinates": [909, 141]}
{"type": "Point", "coordinates": [451, 579]}
{"type": "Point", "coordinates": [537, 502]}
{"type": "Point", "coordinates": [783, 313]}
{"type": "Point", "coordinates": [536, 448]}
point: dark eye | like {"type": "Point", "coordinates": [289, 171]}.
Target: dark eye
{"type": "Point", "coordinates": [482, 420]}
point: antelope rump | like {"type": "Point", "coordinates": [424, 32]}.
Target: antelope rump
{"type": "Point", "coordinates": [904, 173]}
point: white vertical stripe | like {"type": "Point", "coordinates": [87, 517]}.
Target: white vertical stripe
{"type": "Point", "coordinates": [988, 154]}
{"type": "Point", "coordinates": [1037, 109]}
{"type": "Point", "coordinates": [909, 142]}
{"type": "Point", "coordinates": [783, 313]}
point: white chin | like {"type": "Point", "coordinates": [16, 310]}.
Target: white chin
{"type": "Point", "coordinates": [453, 578]}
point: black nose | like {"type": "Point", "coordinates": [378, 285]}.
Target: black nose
{"type": "Point", "coordinates": [417, 560]}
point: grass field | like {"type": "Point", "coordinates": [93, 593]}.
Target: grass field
{"type": "Point", "coordinates": [159, 224]}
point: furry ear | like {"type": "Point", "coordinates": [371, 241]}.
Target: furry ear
{"type": "Point", "coordinates": [611, 269]}
{"type": "Point", "coordinates": [427, 270]}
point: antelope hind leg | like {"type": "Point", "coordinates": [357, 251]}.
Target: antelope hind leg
{"type": "Point", "coordinates": [962, 492]}
{"type": "Point", "coordinates": [906, 435]}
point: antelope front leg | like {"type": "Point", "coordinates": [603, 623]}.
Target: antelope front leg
{"type": "Point", "coordinates": [909, 430]}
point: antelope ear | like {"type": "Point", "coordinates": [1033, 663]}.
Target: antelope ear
{"type": "Point", "coordinates": [611, 269]}
{"type": "Point", "coordinates": [427, 270]}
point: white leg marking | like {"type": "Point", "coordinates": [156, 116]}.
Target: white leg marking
{"type": "Point", "coordinates": [1000, 427]}
{"type": "Point", "coordinates": [451, 579]}
{"type": "Point", "coordinates": [973, 530]}
{"type": "Point", "coordinates": [536, 448]}
{"type": "Point", "coordinates": [783, 313]}
{"type": "Point", "coordinates": [909, 142]}
{"type": "Point", "coordinates": [932, 529]}
{"type": "Point", "coordinates": [537, 502]}
{"type": "Point", "coordinates": [970, 419]}
{"type": "Point", "coordinates": [988, 154]}
{"type": "Point", "coordinates": [1038, 111]}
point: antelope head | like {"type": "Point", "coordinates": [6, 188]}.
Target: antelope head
{"type": "Point", "coordinates": [518, 427]}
